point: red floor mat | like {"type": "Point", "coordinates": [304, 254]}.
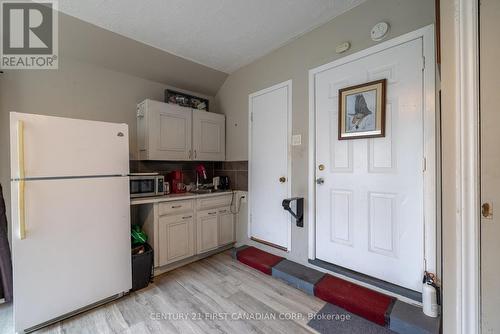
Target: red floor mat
{"type": "Point", "coordinates": [357, 299]}
{"type": "Point", "coordinates": [258, 259]}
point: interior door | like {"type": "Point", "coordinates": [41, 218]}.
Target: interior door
{"type": "Point", "coordinates": [68, 260]}
{"type": "Point", "coordinates": [269, 165]}
{"type": "Point", "coordinates": [369, 210]}
{"type": "Point", "coordinates": [170, 127]}
{"type": "Point", "coordinates": [209, 136]}
{"type": "Point", "coordinates": [490, 164]}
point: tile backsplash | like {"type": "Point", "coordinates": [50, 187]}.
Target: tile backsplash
{"type": "Point", "coordinates": [236, 170]}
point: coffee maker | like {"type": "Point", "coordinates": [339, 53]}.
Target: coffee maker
{"type": "Point", "coordinates": [176, 182]}
{"type": "Point", "coordinates": [225, 183]}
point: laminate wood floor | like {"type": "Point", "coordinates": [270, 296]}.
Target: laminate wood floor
{"type": "Point", "coordinates": [213, 295]}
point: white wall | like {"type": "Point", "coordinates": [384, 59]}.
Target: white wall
{"type": "Point", "coordinates": [293, 61]}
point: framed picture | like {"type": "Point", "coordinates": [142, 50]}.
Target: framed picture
{"type": "Point", "coordinates": [186, 100]}
{"type": "Point", "coordinates": [362, 110]}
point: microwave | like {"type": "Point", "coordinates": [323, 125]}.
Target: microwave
{"type": "Point", "coordinates": [142, 185]}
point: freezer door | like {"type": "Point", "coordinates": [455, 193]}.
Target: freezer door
{"type": "Point", "coordinates": [60, 147]}
{"type": "Point", "coordinates": [77, 246]}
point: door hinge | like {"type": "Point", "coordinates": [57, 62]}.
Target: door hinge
{"type": "Point", "coordinates": [423, 62]}
{"type": "Point", "coordinates": [424, 164]}
{"type": "Point", "coordinates": [251, 116]}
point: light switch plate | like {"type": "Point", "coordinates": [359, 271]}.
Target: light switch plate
{"type": "Point", "coordinates": [296, 140]}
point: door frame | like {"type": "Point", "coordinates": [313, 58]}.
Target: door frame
{"type": "Point", "coordinates": [430, 139]}
{"type": "Point", "coordinates": [288, 85]}
{"type": "Point", "coordinates": [466, 272]}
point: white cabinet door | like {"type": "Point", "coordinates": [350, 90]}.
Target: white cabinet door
{"type": "Point", "coordinates": [226, 226]}
{"type": "Point", "coordinates": [209, 129]}
{"type": "Point", "coordinates": [207, 230]}
{"type": "Point", "coordinates": [176, 238]}
{"type": "Point", "coordinates": [169, 136]}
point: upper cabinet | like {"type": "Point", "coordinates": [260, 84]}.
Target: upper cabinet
{"type": "Point", "coordinates": [171, 132]}
{"type": "Point", "coordinates": [209, 136]}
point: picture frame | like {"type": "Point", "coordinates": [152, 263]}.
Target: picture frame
{"type": "Point", "coordinates": [362, 110]}
{"type": "Point", "coordinates": [186, 100]}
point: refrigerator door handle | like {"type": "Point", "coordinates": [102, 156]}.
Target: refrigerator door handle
{"type": "Point", "coordinates": [20, 154]}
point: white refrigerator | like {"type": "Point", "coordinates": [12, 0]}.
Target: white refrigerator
{"type": "Point", "coordinates": [70, 216]}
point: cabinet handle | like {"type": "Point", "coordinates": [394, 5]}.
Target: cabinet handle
{"type": "Point", "coordinates": [212, 213]}
{"type": "Point", "coordinates": [186, 217]}
{"type": "Point", "coordinates": [195, 154]}
{"type": "Point", "coordinates": [176, 206]}
{"type": "Point", "coordinates": [222, 211]}
{"type": "Point", "coordinates": [189, 154]}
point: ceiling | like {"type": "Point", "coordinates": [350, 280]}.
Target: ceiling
{"type": "Point", "coordinates": [221, 34]}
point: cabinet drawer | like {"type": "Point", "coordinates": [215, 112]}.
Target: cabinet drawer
{"type": "Point", "coordinates": [176, 207]}
{"type": "Point", "coordinates": [214, 202]}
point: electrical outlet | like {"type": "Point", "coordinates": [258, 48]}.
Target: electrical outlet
{"type": "Point", "coordinates": [243, 198]}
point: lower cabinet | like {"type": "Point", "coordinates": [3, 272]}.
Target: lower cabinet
{"type": "Point", "coordinates": [207, 230]}
{"type": "Point", "coordinates": [226, 226]}
{"type": "Point", "coordinates": [176, 238]}
{"type": "Point", "coordinates": [189, 227]}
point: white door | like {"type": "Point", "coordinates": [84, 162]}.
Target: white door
{"type": "Point", "coordinates": [67, 260]}
{"type": "Point", "coordinates": [170, 131]}
{"type": "Point", "coordinates": [269, 165]}
{"type": "Point", "coordinates": [490, 165]}
{"type": "Point", "coordinates": [369, 210]}
{"type": "Point", "coordinates": [59, 147]}
{"type": "Point", "coordinates": [209, 136]}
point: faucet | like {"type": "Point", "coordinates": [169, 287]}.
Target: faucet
{"type": "Point", "coordinates": [200, 171]}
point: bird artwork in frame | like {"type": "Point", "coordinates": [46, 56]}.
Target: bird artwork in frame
{"type": "Point", "coordinates": [362, 110]}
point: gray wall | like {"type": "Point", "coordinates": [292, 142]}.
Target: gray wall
{"type": "Point", "coordinates": [101, 76]}
{"type": "Point", "coordinates": [293, 61]}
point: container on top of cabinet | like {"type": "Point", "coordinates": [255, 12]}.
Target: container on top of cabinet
{"type": "Point", "coordinates": [171, 132]}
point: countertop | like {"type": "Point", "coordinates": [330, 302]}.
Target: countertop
{"type": "Point", "coordinates": [175, 197]}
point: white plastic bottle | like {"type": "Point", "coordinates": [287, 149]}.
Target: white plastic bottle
{"type": "Point", "coordinates": [429, 300]}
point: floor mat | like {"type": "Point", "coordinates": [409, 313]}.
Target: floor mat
{"type": "Point", "coordinates": [333, 319]}
{"type": "Point", "coordinates": [258, 259]}
{"type": "Point", "coordinates": [369, 304]}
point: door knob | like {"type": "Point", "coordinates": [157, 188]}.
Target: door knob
{"type": "Point", "coordinates": [282, 179]}
{"type": "Point", "coordinates": [320, 180]}
{"type": "Point", "coordinates": [487, 210]}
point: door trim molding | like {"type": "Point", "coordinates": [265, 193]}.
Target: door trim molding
{"type": "Point", "coordinates": [468, 169]}
{"type": "Point", "coordinates": [288, 85]}
{"type": "Point", "coordinates": [429, 114]}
